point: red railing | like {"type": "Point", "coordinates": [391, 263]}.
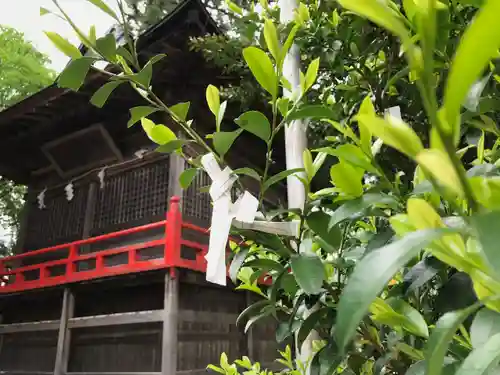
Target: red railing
{"type": "Point", "coordinates": [14, 272]}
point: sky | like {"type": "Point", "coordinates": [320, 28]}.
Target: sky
{"type": "Point", "coordinates": [24, 15]}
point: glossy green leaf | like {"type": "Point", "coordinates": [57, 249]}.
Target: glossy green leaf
{"type": "Point", "coordinates": [379, 13]}
{"type": "Point", "coordinates": [236, 263]}
{"type": "Point", "coordinates": [172, 146]}
{"type": "Point", "coordinates": [357, 208]}
{"type": "Point", "coordinates": [288, 43]}
{"type": "Point", "coordinates": [44, 11]}
{"type": "Point", "coordinates": [488, 235]}
{"type": "Point", "coordinates": [213, 99]}
{"type": "Point", "coordinates": [318, 222]}
{"type": "Point", "coordinates": [159, 134]}
{"type": "Point", "coordinates": [74, 74]}
{"type": "Point", "coordinates": [224, 140]}
{"type": "Point", "coordinates": [280, 176]}
{"type": "Point", "coordinates": [471, 58]}
{"type": "Point", "coordinates": [308, 271]}
{"type": "Point", "coordinates": [347, 179]}
{"type": "Point", "coordinates": [353, 155]}
{"type": "Point", "coordinates": [145, 75]}
{"type": "Point", "coordinates": [371, 275]}
{"type": "Point", "coordinates": [251, 310]}
{"type": "Point", "coordinates": [187, 176]}
{"type": "Point", "coordinates": [485, 325]}
{"type": "Point", "coordinates": [106, 46]}
{"type": "Point", "coordinates": [308, 164]}
{"type": "Point", "coordinates": [262, 68]}
{"type": "Point", "coordinates": [311, 74]}
{"type": "Point", "coordinates": [124, 52]}
{"type": "Point", "coordinates": [413, 321]}
{"type": "Point", "coordinates": [256, 123]}
{"type": "Point", "coordinates": [438, 163]}
{"type": "Point", "coordinates": [235, 8]}
{"type": "Point", "coordinates": [482, 360]}
{"type": "Point", "coordinates": [220, 115]}
{"type": "Point", "coordinates": [311, 112]}
{"type": "Point", "coordinates": [105, 8]}
{"type": "Point", "coordinates": [311, 321]}
{"type": "Point", "coordinates": [180, 110]}
{"type": "Point", "coordinates": [248, 172]}
{"type": "Point", "coordinates": [394, 132]}
{"type": "Point", "coordinates": [271, 37]}
{"type": "Point", "coordinates": [63, 45]}
{"type": "Point", "coordinates": [102, 94]}
{"type": "Point", "coordinates": [441, 336]}
{"type": "Point", "coordinates": [137, 113]}
{"type": "Point", "coordinates": [92, 34]}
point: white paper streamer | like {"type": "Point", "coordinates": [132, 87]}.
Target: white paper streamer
{"type": "Point", "coordinates": [242, 214]}
{"type": "Point", "coordinates": [41, 199]}
{"type": "Point", "coordinates": [70, 193]}
{"type": "Point", "coordinates": [101, 175]}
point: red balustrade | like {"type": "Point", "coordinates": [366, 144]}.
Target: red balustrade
{"type": "Point", "coordinates": [13, 270]}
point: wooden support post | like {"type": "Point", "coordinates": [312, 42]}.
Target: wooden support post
{"type": "Point", "coordinates": [170, 318]}
{"type": "Point", "coordinates": [64, 337]}
{"type": "Point", "coordinates": [176, 167]}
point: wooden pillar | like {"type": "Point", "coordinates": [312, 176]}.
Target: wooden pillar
{"type": "Point", "coordinates": [64, 337]}
{"type": "Point", "coordinates": [170, 319]}
{"type": "Point", "coordinates": [176, 167]}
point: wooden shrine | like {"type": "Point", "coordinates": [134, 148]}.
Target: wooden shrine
{"type": "Point", "coordinates": [111, 280]}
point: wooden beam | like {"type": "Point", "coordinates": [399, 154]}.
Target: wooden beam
{"type": "Point", "coordinates": [47, 325]}
{"type": "Point", "coordinates": [170, 319]}
{"type": "Point", "coordinates": [67, 312]}
{"type": "Point", "coordinates": [176, 167]}
{"type": "Point", "coordinates": [117, 319]}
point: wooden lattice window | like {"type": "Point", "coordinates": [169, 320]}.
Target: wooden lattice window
{"type": "Point", "coordinates": [59, 222]}
{"type": "Point", "coordinates": [132, 197]}
{"type": "Point", "coordinates": [196, 204]}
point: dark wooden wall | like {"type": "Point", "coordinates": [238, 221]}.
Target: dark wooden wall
{"type": "Point", "coordinates": [206, 328]}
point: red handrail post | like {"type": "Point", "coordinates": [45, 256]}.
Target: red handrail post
{"type": "Point", "coordinates": [173, 232]}
{"type": "Point", "coordinates": [73, 254]}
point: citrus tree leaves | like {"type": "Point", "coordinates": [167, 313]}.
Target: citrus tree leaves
{"type": "Point", "coordinates": [483, 359]}
{"type": "Point", "coordinates": [485, 325]}
{"type": "Point", "coordinates": [262, 69]}
{"type": "Point", "coordinates": [187, 176]}
{"type": "Point", "coordinates": [256, 123]}
{"type": "Point", "coordinates": [470, 60]}
{"type": "Point", "coordinates": [102, 94]}
{"type": "Point", "coordinates": [74, 74]}
{"type": "Point", "coordinates": [371, 275]}
{"type": "Point", "coordinates": [223, 141]}
{"type": "Point", "coordinates": [137, 113]}
{"type": "Point", "coordinates": [63, 45]}
{"type": "Point", "coordinates": [308, 271]}
{"type": "Point", "coordinates": [487, 233]}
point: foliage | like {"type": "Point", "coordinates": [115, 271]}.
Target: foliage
{"type": "Point", "coordinates": [23, 70]}
{"type": "Point", "coordinates": [403, 272]}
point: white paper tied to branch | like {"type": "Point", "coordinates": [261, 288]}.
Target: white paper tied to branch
{"type": "Point", "coordinates": [41, 199]}
{"type": "Point", "coordinates": [243, 211]}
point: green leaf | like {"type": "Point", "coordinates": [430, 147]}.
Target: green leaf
{"type": "Point", "coordinates": [311, 112]}
{"type": "Point", "coordinates": [262, 68]}
{"type": "Point", "coordinates": [105, 8]}
{"type": "Point", "coordinates": [439, 164]}
{"type": "Point", "coordinates": [414, 322]}
{"type": "Point", "coordinates": [441, 336]}
{"type": "Point", "coordinates": [486, 231]}
{"type": "Point", "coordinates": [73, 76]}
{"type": "Point", "coordinates": [235, 8]}
{"type": "Point", "coordinates": [271, 37]}
{"type": "Point", "coordinates": [311, 74]}
{"type": "Point", "coordinates": [288, 43]}
{"type": "Point", "coordinates": [213, 99]}
{"type": "Point", "coordinates": [357, 208]}
{"type": "Point", "coordinates": [123, 52]}
{"type": "Point", "coordinates": [63, 45]}
{"type": "Point", "coordinates": [256, 123]}
{"type": "Point", "coordinates": [308, 164]}
{"type": "Point", "coordinates": [371, 276]}
{"type": "Point", "coordinates": [280, 176]}
{"type": "Point", "coordinates": [223, 141]}
{"type": "Point", "coordinates": [347, 179]}
{"type": "Point", "coordinates": [311, 321]}
{"type": "Point", "coordinates": [353, 155]}
{"type": "Point", "coordinates": [159, 134]}
{"type": "Point", "coordinates": [485, 325]}
{"type": "Point", "coordinates": [187, 176]}
{"type": "Point", "coordinates": [379, 13]}
{"type": "Point", "coordinates": [172, 146]}
{"type": "Point", "coordinates": [308, 271]}
{"type": "Point", "coordinates": [471, 58]}
{"type": "Point", "coordinates": [180, 110]}
{"type": "Point", "coordinates": [106, 46]}
{"type": "Point", "coordinates": [247, 172]}
{"type": "Point", "coordinates": [394, 132]}
{"type": "Point", "coordinates": [44, 11]}
{"type": "Point", "coordinates": [236, 263]}
{"type": "Point", "coordinates": [101, 96]}
{"type": "Point", "coordinates": [137, 113]}
{"type": "Point", "coordinates": [92, 36]}
{"type": "Point", "coordinates": [482, 360]}
{"type": "Point", "coordinates": [252, 310]}
{"type": "Point", "coordinates": [318, 223]}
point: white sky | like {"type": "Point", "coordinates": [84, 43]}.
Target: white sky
{"type": "Point", "coordinates": [24, 15]}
